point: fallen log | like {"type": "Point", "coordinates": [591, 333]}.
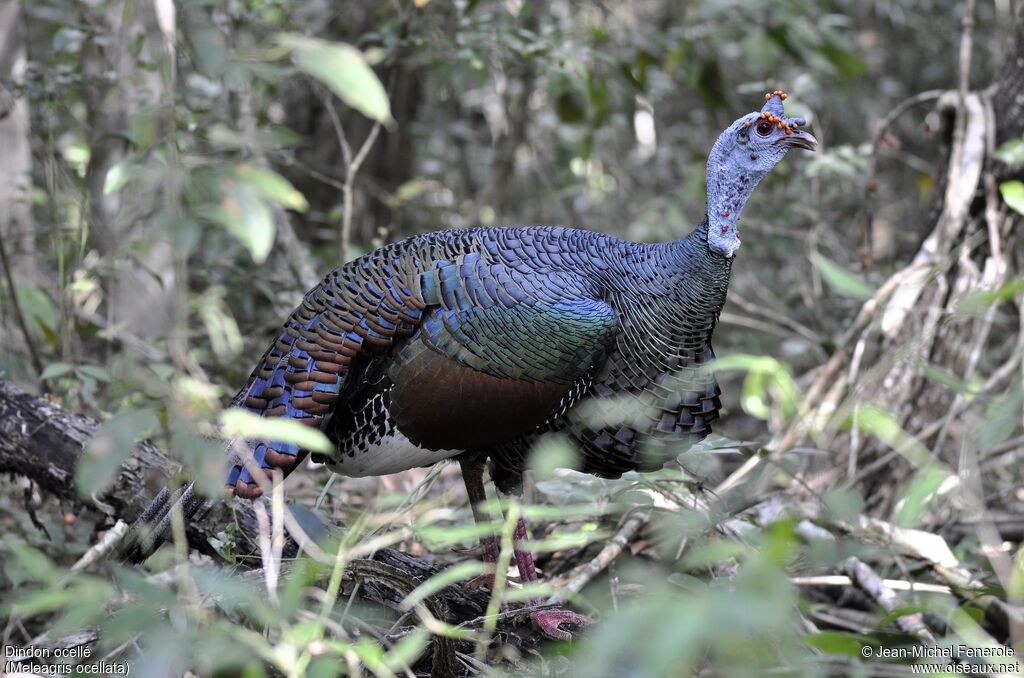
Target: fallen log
{"type": "Point", "coordinates": [42, 441]}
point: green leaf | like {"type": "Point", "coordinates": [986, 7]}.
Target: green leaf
{"type": "Point", "coordinates": [243, 424]}
{"type": "Point", "coordinates": [758, 48]}
{"type": "Point", "coordinates": [323, 666]}
{"type": "Point", "coordinates": [844, 504]}
{"type": "Point", "coordinates": [182, 231]}
{"type": "Point", "coordinates": [245, 214]}
{"type": "Point", "coordinates": [410, 190]}
{"type": "Point", "coordinates": [539, 513]}
{"type": "Point", "coordinates": [1001, 419]}
{"type": "Point", "coordinates": [435, 536]}
{"type": "Point", "coordinates": [270, 137]}
{"type": "Point", "coordinates": [919, 494]}
{"type": "Point", "coordinates": [709, 85]}
{"type": "Point", "coordinates": [979, 302]}
{"type": "Point", "coordinates": [204, 458]}
{"type": "Point", "coordinates": [836, 642]}
{"type": "Point", "coordinates": [26, 563]}
{"type": "Point", "coordinates": [117, 177]}
{"type": "Point", "coordinates": [943, 377]}
{"type": "Point", "coordinates": [456, 573]}
{"type": "Point", "coordinates": [1011, 153]}
{"type": "Point", "coordinates": [113, 443]}
{"type": "Point", "coordinates": [344, 70]}
{"type": "Point", "coordinates": [767, 380]}
{"type": "Point", "coordinates": [848, 64]}
{"type": "Point", "coordinates": [95, 372]}
{"type": "Point", "coordinates": [714, 551]}
{"type": "Point", "coordinates": [273, 186]}
{"type": "Point", "coordinates": [840, 280]}
{"type": "Point", "coordinates": [902, 612]}
{"type": "Point", "coordinates": [1015, 587]}
{"type": "Point", "coordinates": [54, 370]}
{"type": "Point", "coordinates": [882, 424]}
{"type": "Point", "coordinates": [209, 50]}
{"type": "Point", "coordinates": [406, 651]}
{"type": "Point", "coordinates": [144, 128]}
{"type": "Point", "coordinates": [570, 107]}
{"type": "Point", "coordinates": [39, 601]}
{"type": "Point", "coordinates": [565, 541]}
{"type": "Point", "coordinates": [973, 612]}
{"type": "Point", "coordinates": [38, 308]}
{"type": "Point", "coordinates": [552, 452]}
{"type": "Point", "coordinates": [293, 592]}
{"type": "Point", "coordinates": [303, 633]}
{"type": "Point", "coordinates": [1013, 195]}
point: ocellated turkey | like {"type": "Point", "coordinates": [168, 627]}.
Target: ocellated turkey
{"type": "Point", "coordinates": [468, 344]}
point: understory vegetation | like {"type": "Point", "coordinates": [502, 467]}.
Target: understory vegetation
{"type": "Point", "coordinates": [175, 174]}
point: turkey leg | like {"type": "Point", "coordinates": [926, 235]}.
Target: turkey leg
{"type": "Point", "coordinates": [473, 476]}
{"type": "Point", "coordinates": [548, 621]}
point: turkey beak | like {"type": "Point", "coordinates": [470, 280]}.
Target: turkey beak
{"type": "Point", "coordinates": [800, 139]}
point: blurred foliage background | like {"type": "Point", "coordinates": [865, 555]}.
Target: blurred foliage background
{"type": "Point", "coordinates": [177, 173]}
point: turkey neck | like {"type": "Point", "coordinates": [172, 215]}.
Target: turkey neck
{"type": "Point", "coordinates": [687, 269]}
{"type": "Point", "coordinates": [672, 293]}
{"type": "Point", "coordinates": [697, 271]}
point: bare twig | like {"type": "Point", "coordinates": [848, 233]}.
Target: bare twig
{"type": "Point", "coordinates": [102, 547]}
{"type": "Point", "coordinates": [995, 277]}
{"type": "Point", "coordinates": [352, 165]}
{"type": "Point", "coordinates": [296, 254]}
{"type": "Point", "coordinates": [266, 552]}
{"type": "Point", "coordinates": [825, 376]}
{"type": "Point", "coordinates": [753, 323]}
{"type": "Point", "coordinates": [582, 575]}
{"type": "Point", "coordinates": [933, 549]}
{"type": "Point", "coordinates": [869, 581]}
{"type": "Point", "coordinates": [966, 43]}
{"type": "Point", "coordinates": [776, 316]}
{"type": "Point", "coordinates": [894, 584]}
{"type": "Point", "coordinates": [9, 275]}
{"type": "Point", "coordinates": [872, 174]}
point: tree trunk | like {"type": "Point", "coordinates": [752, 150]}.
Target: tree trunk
{"type": "Point", "coordinates": [16, 226]}
{"type": "Point", "coordinates": [1008, 99]}
{"type": "Point", "coordinates": [921, 328]}
{"type": "Point", "coordinates": [141, 294]}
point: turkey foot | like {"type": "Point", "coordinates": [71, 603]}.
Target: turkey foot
{"type": "Point", "coordinates": [550, 622]}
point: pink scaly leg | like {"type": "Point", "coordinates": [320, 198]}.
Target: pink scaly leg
{"type": "Point", "coordinates": [473, 476]}
{"type": "Point", "coordinates": [548, 621]}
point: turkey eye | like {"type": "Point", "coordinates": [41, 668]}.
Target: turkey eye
{"type": "Point", "coordinates": [764, 128]}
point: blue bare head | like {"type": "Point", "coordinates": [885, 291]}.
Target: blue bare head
{"type": "Point", "coordinates": [743, 154]}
